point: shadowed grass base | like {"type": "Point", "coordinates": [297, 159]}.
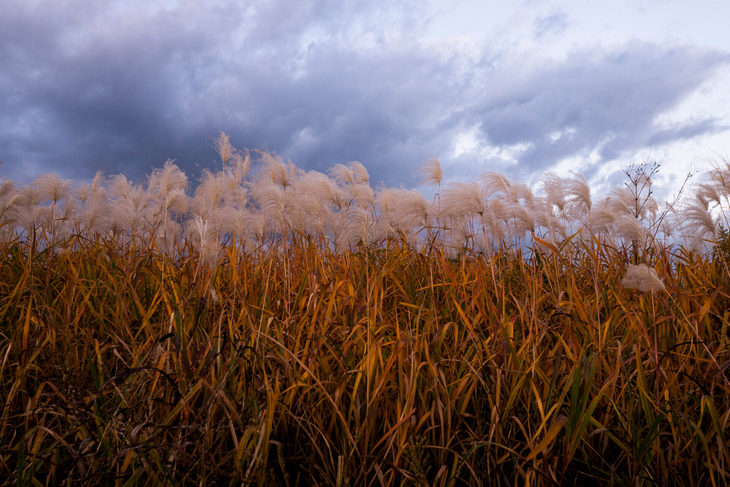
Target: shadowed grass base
{"type": "Point", "coordinates": [379, 367]}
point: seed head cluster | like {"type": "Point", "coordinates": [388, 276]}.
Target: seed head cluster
{"type": "Point", "coordinates": [264, 200]}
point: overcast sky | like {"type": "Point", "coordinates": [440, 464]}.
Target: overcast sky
{"type": "Point", "coordinates": [516, 87]}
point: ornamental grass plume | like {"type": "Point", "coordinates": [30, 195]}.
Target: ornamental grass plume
{"type": "Point", "coordinates": [463, 199]}
{"type": "Point", "coordinates": [305, 212]}
{"type": "Point", "coordinates": [7, 187]}
{"type": "Point", "coordinates": [351, 173]}
{"type": "Point", "coordinates": [402, 208]}
{"type": "Point", "coordinates": [602, 218]}
{"type": "Point", "coordinates": [494, 224]}
{"type": "Point", "coordinates": [630, 228]}
{"type": "Point", "coordinates": [223, 147]}
{"type": "Point", "coordinates": [494, 183]}
{"type": "Point", "coordinates": [521, 193]}
{"type": "Point", "coordinates": [342, 174]}
{"type": "Point", "coordinates": [205, 241]}
{"type": "Point", "coordinates": [720, 176]}
{"type": "Point", "coordinates": [295, 326]}
{"type": "Point", "coordinates": [93, 216]}
{"type": "Point", "coordinates": [27, 212]}
{"type": "Point", "coordinates": [432, 173]}
{"type": "Point", "coordinates": [355, 227]}
{"type": "Point", "coordinates": [51, 188]}
{"type": "Point", "coordinates": [578, 192]}
{"type": "Point", "coordinates": [554, 188]}
{"type": "Point", "coordinates": [278, 173]}
{"type": "Point", "coordinates": [8, 196]}
{"type": "Point", "coordinates": [166, 182]}
{"type": "Point", "coordinates": [708, 194]}
{"type": "Point", "coordinates": [621, 201]}
{"type": "Point", "coordinates": [642, 278]}
{"type": "Point", "coordinates": [521, 219]}
{"type": "Point", "coordinates": [363, 196]}
{"type": "Point", "coordinates": [209, 194]}
{"type": "Point", "coordinates": [359, 173]}
{"type": "Point", "coordinates": [131, 207]}
{"type": "Point", "coordinates": [270, 200]}
{"type": "Point", "coordinates": [241, 165]}
{"type": "Point", "coordinates": [331, 196]}
{"type": "Point", "coordinates": [698, 220]}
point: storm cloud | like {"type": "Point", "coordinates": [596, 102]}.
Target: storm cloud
{"type": "Point", "coordinates": [595, 100]}
{"type": "Point", "coordinates": [122, 88]}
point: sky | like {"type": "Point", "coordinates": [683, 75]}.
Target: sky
{"type": "Point", "coordinates": [521, 87]}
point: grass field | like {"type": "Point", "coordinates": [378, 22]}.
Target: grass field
{"type": "Point", "coordinates": [377, 352]}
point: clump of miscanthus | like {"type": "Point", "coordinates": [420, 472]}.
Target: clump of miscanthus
{"type": "Point", "coordinates": [642, 278]}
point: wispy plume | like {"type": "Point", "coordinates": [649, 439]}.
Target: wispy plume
{"type": "Point", "coordinates": [698, 221]}
{"type": "Point", "coordinates": [495, 184]}
{"type": "Point", "coordinates": [554, 188]}
{"type": "Point", "coordinates": [642, 278]}
{"type": "Point", "coordinates": [463, 199]}
{"type": "Point", "coordinates": [206, 241]}
{"type": "Point", "coordinates": [167, 188]}
{"type": "Point", "coordinates": [224, 148]}
{"type": "Point", "coordinates": [280, 173]}
{"type": "Point", "coordinates": [51, 188]}
{"type": "Point", "coordinates": [432, 173]}
{"type": "Point", "coordinates": [579, 193]}
{"type": "Point", "coordinates": [350, 174]}
{"type": "Point", "coordinates": [130, 210]}
{"type": "Point", "coordinates": [402, 209]}
{"type": "Point", "coordinates": [281, 203]}
{"type": "Point", "coordinates": [355, 229]}
{"type": "Point", "coordinates": [630, 228]}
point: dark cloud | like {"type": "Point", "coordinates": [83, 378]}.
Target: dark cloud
{"type": "Point", "coordinates": [92, 87]}
{"type": "Point", "coordinates": [595, 100]}
{"type": "Point", "coordinates": [686, 131]}
{"type": "Point", "coordinates": [123, 91]}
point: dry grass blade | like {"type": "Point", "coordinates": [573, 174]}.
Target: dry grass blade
{"type": "Point", "coordinates": [316, 332]}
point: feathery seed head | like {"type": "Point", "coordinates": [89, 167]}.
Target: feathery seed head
{"type": "Point", "coordinates": [578, 192]}
{"type": "Point", "coordinates": [207, 243]}
{"type": "Point", "coordinates": [359, 173]}
{"type": "Point", "coordinates": [270, 200]}
{"type": "Point", "coordinates": [642, 278]}
{"type": "Point", "coordinates": [342, 174]}
{"type": "Point", "coordinates": [630, 228]}
{"type": "Point", "coordinates": [167, 180]}
{"type": "Point", "coordinates": [698, 221]}
{"type": "Point", "coordinates": [7, 187]}
{"type": "Point", "coordinates": [96, 188]}
{"type": "Point", "coordinates": [432, 174]}
{"type": "Point", "coordinates": [224, 148]}
{"type": "Point", "coordinates": [495, 184]}
{"type": "Point", "coordinates": [522, 221]}
{"type": "Point", "coordinates": [178, 202]}
{"type": "Point", "coordinates": [555, 190]}
{"type": "Point", "coordinates": [601, 218]}
{"type": "Point", "coordinates": [708, 194]}
{"type": "Point", "coordinates": [621, 201]}
{"type": "Point", "coordinates": [210, 192]}
{"type": "Point", "coordinates": [363, 195]}
{"type": "Point", "coordinates": [463, 199]}
{"type": "Point", "coordinates": [277, 170]}
{"type": "Point", "coordinates": [521, 192]}
{"type": "Point", "coordinates": [720, 176]}
{"type": "Point", "coordinates": [51, 188]}
{"type": "Point", "coordinates": [355, 229]}
{"type": "Point", "coordinates": [407, 209]}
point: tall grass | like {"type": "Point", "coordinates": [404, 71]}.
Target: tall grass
{"type": "Point", "coordinates": [442, 343]}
